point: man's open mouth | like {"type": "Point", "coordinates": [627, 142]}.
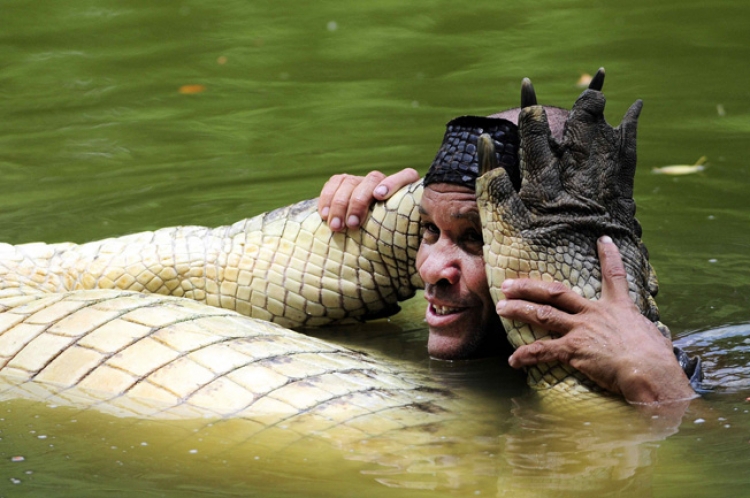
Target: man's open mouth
{"type": "Point", "coordinates": [444, 310]}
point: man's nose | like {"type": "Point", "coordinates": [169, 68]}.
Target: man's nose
{"type": "Point", "coordinates": [440, 264]}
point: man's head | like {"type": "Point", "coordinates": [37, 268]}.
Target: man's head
{"type": "Point", "coordinates": [460, 312]}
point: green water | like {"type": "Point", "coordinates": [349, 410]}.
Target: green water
{"type": "Point", "coordinates": [96, 140]}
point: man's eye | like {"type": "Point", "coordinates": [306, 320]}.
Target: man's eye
{"type": "Point", "coordinates": [429, 230]}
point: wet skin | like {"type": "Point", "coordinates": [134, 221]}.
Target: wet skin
{"type": "Point", "coordinates": [461, 315]}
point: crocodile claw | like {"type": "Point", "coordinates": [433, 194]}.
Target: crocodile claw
{"type": "Point", "coordinates": [528, 95]}
{"type": "Point", "coordinates": [597, 82]}
{"type": "Point", "coordinates": [486, 154]}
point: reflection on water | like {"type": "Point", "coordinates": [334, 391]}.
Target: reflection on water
{"type": "Point", "coordinates": [494, 440]}
{"type": "Point", "coordinates": [570, 455]}
{"type": "Point", "coordinates": [505, 452]}
{"type": "Point", "coordinates": [565, 455]}
{"type": "Point", "coordinates": [96, 139]}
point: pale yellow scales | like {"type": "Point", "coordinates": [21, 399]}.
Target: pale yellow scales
{"type": "Point", "coordinates": [572, 192]}
{"type": "Point", "coordinates": [285, 266]}
{"type": "Point", "coordinates": [145, 354]}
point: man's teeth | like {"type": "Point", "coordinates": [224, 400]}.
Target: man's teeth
{"type": "Point", "coordinates": [444, 310]}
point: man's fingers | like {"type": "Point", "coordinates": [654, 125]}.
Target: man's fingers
{"type": "Point", "coordinates": [540, 315]}
{"type": "Point", "coordinates": [360, 199]}
{"type": "Point", "coordinates": [345, 199]}
{"type": "Point", "coordinates": [375, 187]}
{"type": "Point", "coordinates": [395, 182]}
{"type": "Point", "coordinates": [539, 352]}
{"type": "Point", "coordinates": [335, 198]}
{"type": "Point", "coordinates": [614, 276]}
{"type": "Point", "coordinates": [552, 293]}
{"type": "Point", "coordinates": [328, 193]}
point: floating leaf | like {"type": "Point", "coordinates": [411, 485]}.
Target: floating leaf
{"type": "Point", "coordinates": [584, 80]}
{"type": "Point", "coordinates": [682, 169]}
{"type": "Point", "coordinates": [191, 89]}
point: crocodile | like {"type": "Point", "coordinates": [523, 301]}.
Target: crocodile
{"type": "Point", "coordinates": [194, 321]}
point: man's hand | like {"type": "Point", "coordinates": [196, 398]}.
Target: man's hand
{"type": "Point", "coordinates": [608, 340]}
{"type": "Point", "coordinates": [345, 199]}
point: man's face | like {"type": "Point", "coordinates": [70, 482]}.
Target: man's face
{"type": "Point", "coordinates": [460, 312]}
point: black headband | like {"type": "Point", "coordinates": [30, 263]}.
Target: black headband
{"type": "Point", "coordinates": [456, 161]}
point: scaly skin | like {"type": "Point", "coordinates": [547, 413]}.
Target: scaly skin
{"type": "Point", "coordinates": [146, 355]}
{"type": "Point", "coordinates": [158, 356]}
{"type": "Point", "coordinates": [245, 385]}
{"type": "Point", "coordinates": [287, 267]}
{"type": "Point", "coordinates": [284, 266]}
{"type": "Point", "coordinates": [154, 356]}
{"type": "Point", "coordinates": [571, 193]}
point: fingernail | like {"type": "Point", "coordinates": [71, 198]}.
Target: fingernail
{"type": "Point", "coordinates": [352, 221]}
{"type": "Point", "coordinates": [512, 362]}
{"type": "Point", "coordinates": [335, 224]}
{"type": "Point", "coordinates": [507, 284]}
{"type": "Point", "coordinates": [324, 212]}
{"type": "Point", "coordinates": [381, 191]}
{"type": "Point", "coordinates": [501, 305]}
{"type": "Point", "coordinates": [605, 239]}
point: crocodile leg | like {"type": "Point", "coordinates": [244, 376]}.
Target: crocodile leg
{"type": "Point", "coordinates": [571, 193]}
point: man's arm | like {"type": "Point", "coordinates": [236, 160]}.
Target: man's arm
{"type": "Point", "coordinates": [608, 340]}
{"type": "Point", "coordinates": [345, 199]}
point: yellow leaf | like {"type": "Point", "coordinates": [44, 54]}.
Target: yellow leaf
{"type": "Point", "coordinates": [191, 89]}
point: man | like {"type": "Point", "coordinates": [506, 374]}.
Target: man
{"type": "Point", "coordinates": [608, 340]}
